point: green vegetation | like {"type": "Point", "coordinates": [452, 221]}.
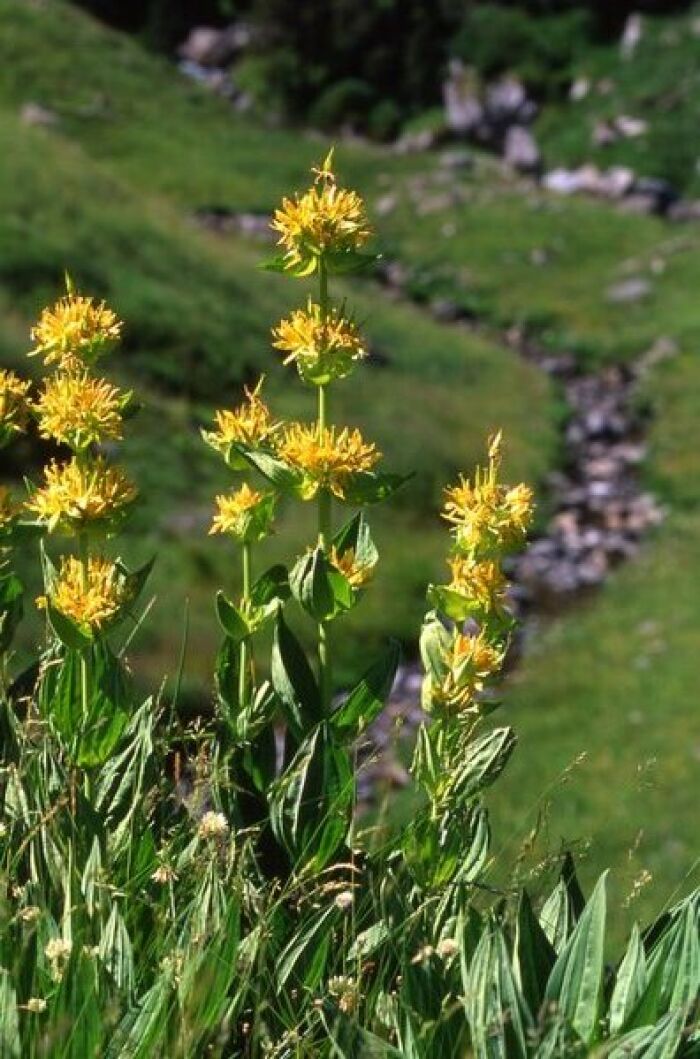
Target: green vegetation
{"type": "Point", "coordinates": [658, 84]}
{"type": "Point", "coordinates": [109, 192]}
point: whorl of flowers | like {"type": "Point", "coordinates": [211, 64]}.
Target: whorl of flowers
{"type": "Point", "coordinates": [251, 423]}
{"type": "Point", "coordinates": [89, 594]}
{"type": "Point", "coordinates": [79, 410]}
{"type": "Point", "coordinates": [14, 406]}
{"type": "Point", "coordinates": [76, 330]}
{"type": "Point", "coordinates": [245, 514]}
{"type": "Point", "coordinates": [471, 662]}
{"type": "Point", "coordinates": [327, 459]}
{"type": "Point", "coordinates": [323, 347]}
{"type": "Point", "coordinates": [325, 219]}
{"type": "Point", "coordinates": [77, 496]}
{"type": "Point", "coordinates": [488, 519]}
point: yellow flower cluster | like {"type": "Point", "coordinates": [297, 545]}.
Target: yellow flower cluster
{"type": "Point", "coordinates": [89, 595]}
{"type": "Point", "coordinates": [488, 518]}
{"type": "Point", "coordinates": [471, 661]}
{"type": "Point", "coordinates": [74, 331]}
{"type": "Point", "coordinates": [324, 347]}
{"type": "Point", "coordinates": [78, 410]}
{"type": "Point", "coordinates": [482, 582]}
{"type": "Point", "coordinates": [245, 514]}
{"type": "Point", "coordinates": [77, 496]}
{"type": "Point", "coordinates": [327, 460]}
{"type": "Point", "coordinates": [14, 406]}
{"type": "Point", "coordinates": [325, 219]}
{"type": "Point", "coordinates": [250, 423]}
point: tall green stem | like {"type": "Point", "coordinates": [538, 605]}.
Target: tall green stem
{"type": "Point", "coordinates": [244, 657]}
{"type": "Point", "coordinates": [325, 662]}
{"type": "Point", "coordinates": [84, 558]}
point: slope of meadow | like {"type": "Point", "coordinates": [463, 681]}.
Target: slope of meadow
{"type": "Point", "coordinates": [109, 191]}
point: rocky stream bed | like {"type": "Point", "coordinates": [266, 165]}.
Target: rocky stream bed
{"type": "Point", "coordinates": [599, 509]}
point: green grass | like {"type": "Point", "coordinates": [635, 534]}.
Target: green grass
{"type": "Point", "coordinates": [198, 312]}
{"type": "Point", "coordinates": [616, 680]}
{"type": "Point", "coordinates": [658, 84]}
{"type": "Point", "coordinates": [109, 191]}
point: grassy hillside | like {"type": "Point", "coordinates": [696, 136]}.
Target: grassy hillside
{"type": "Point", "coordinates": [658, 83]}
{"type": "Point", "coordinates": [109, 191]}
{"type": "Point", "coordinates": [109, 196]}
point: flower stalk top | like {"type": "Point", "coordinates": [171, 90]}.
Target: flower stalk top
{"type": "Point", "coordinates": [327, 221]}
{"type": "Point", "coordinates": [75, 331]}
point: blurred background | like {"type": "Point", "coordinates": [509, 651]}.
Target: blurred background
{"type": "Point", "coordinates": [533, 171]}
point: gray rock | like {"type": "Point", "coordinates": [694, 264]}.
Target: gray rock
{"type": "Point", "coordinates": [629, 291]}
{"type": "Point", "coordinates": [463, 108]}
{"type": "Point", "coordinates": [520, 150]}
{"type": "Point", "coordinates": [36, 114]}
{"type": "Point", "coordinates": [212, 47]}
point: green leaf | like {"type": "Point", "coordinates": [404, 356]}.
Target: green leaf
{"type": "Point", "coordinates": [230, 619]}
{"type": "Point", "coordinates": [311, 586]}
{"type": "Point", "coordinates": [10, 1043]}
{"type": "Point", "coordinates": [576, 983]}
{"type": "Point", "coordinates": [305, 956]}
{"type": "Point", "coordinates": [70, 634]}
{"type": "Point", "coordinates": [311, 803]}
{"type": "Point", "coordinates": [533, 956]}
{"type": "Point", "coordinates": [347, 262]}
{"type": "Point", "coordinates": [294, 681]}
{"type": "Point", "coordinates": [271, 586]}
{"type": "Point", "coordinates": [368, 697]}
{"type": "Point", "coordinates": [351, 1041]}
{"type": "Point", "coordinates": [482, 763]}
{"type": "Point", "coordinates": [497, 1017]}
{"type": "Point", "coordinates": [661, 1041]}
{"type": "Point", "coordinates": [276, 472]}
{"type": "Point", "coordinates": [372, 487]}
{"type": "Point", "coordinates": [11, 608]}
{"type": "Point", "coordinates": [630, 982]}
{"type": "Point", "coordinates": [143, 1031]}
{"type": "Point", "coordinates": [135, 582]}
{"type": "Point", "coordinates": [355, 536]}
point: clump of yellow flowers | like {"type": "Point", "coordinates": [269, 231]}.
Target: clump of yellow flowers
{"type": "Point", "coordinates": [321, 233]}
{"type": "Point", "coordinates": [14, 406]}
{"type": "Point", "coordinates": [488, 520]}
{"type": "Point", "coordinates": [83, 496]}
{"type": "Point", "coordinates": [90, 597]}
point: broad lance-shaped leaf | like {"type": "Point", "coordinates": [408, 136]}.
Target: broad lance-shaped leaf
{"type": "Point", "coordinates": [11, 608]}
{"type": "Point", "coordinates": [482, 763]}
{"type": "Point", "coordinates": [305, 956]}
{"type": "Point", "coordinates": [272, 585]}
{"type": "Point", "coordinates": [276, 472]}
{"type": "Point", "coordinates": [230, 619]}
{"type": "Point", "coordinates": [10, 1042]}
{"type": "Point", "coordinates": [562, 909]}
{"type": "Point", "coordinates": [368, 697]}
{"type": "Point", "coordinates": [576, 983]}
{"type": "Point", "coordinates": [630, 982]}
{"type": "Point", "coordinates": [351, 1041]}
{"type": "Point", "coordinates": [355, 536]}
{"type": "Point", "coordinates": [294, 681]}
{"type": "Point", "coordinates": [673, 970]}
{"type": "Point", "coordinates": [311, 587]}
{"type": "Point", "coordinates": [498, 1020]}
{"type": "Point", "coordinates": [533, 956]}
{"type": "Point", "coordinates": [653, 1042]}
{"type": "Point", "coordinates": [311, 802]}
